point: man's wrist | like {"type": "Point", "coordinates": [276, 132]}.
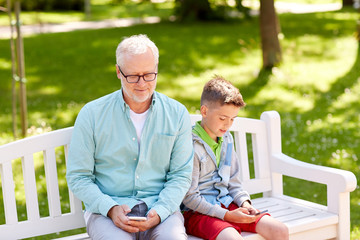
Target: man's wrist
{"type": "Point", "coordinates": [109, 214]}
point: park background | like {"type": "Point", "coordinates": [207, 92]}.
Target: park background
{"type": "Point", "coordinates": [316, 88]}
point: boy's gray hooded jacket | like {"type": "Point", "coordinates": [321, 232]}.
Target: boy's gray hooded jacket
{"type": "Point", "coordinates": [212, 186]}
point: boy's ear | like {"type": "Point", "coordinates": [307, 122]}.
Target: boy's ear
{"type": "Point", "coordinates": [203, 110]}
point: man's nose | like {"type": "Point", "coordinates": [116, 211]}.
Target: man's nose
{"type": "Point", "coordinates": [141, 81]}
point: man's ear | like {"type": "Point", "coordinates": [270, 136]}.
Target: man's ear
{"type": "Point", "coordinates": [118, 74]}
{"type": "Point", "coordinates": [203, 110]}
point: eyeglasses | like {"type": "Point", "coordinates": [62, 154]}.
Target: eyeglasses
{"type": "Point", "coordinates": [148, 77]}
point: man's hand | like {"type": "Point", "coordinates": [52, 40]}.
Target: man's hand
{"type": "Point", "coordinates": [239, 215]}
{"type": "Point", "coordinates": [153, 219]}
{"type": "Point", "coordinates": [118, 216]}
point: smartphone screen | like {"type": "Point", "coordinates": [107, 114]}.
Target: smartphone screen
{"type": "Point", "coordinates": [136, 218]}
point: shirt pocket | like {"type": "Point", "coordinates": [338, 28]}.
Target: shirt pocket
{"type": "Point", "coordinates": [161, 148]}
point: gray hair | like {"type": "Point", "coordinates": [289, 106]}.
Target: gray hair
{"type": "Point", "coordinates": [135, 45]}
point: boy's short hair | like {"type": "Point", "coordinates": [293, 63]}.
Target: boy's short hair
{"type": "Point", "coordinates": [219, 90]}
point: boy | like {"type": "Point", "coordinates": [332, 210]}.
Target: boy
{"type": "Point", "coordinates": [212, 203]}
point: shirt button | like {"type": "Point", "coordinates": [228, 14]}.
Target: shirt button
{"type": "Point", "coordinates": [134, 159]}
{"type": "Point", "coordinates": [137, 177]}
{"type": "Point", "coordinates": [133, 139]}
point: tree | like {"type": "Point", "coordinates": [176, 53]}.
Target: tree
{"type": "Point", "coordinates": [269, 24]}
{"type": "Point", "coordinates": [207, 9]}
{"type": "Point", "coordinates": [269, 30]}
{"type": "Point", "coordinates": [347, 2]}
{"type": "Point", "coordinates": [241, 8]}
{"type": "Point", "coordinates": [193, 9]}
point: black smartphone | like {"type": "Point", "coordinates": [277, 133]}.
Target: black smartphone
{"type": "Point", "coordinates": [261, 212]}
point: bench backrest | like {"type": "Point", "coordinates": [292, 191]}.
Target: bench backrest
{"type": "Point", "coordinates": [250, 137]}
{"type": "Point", "coordinates": [26, 150]}
{"type": "Point", "coordinates": [53, 148]}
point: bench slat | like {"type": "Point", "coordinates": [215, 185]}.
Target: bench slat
{"type": "Point", "coordinates": [254, 186]}
{"type": "Point", "coordinates": [8, 188]}
{"type": "Point", "coordinates": [52, 184]}
{"type": "Point", "coordinates": [241, 149]}
{"type": "Point", "coordinates": [299, 216]}
{"type": "Point", "coordinates": [44, 225]}
{"type": "Point", "coordinates": [82, 236]}
{"type": "Point", "coordinates": [326, 232]}
{"type": "Point", "coordinates": [32, 204]}
{"type": "Point", "coordinates": [35, 144]}
{"type": "Point", "coordinates": [260, 153]}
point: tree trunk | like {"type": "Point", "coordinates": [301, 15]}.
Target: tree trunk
{"type": "Point", "coordinates": [21, 70]}
{"type": "Point", "coordinates": [269, 30]}
{"type": "Point", "coordinates": [347, 2]}
{"type": "Point", "coordinates": [87, 8]}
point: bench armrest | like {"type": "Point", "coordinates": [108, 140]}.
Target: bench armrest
{"type": "Point", "coordinates": [336, 179]}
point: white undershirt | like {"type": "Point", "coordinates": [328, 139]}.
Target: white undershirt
{"type": "Point", "coordinates": [138, 120]}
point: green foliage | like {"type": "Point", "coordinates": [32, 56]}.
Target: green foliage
{"type": "Point", "coordinates": [316, 90]}
{"type": "Point", "coordinates": [48, 5]}
{"type": "Point", "coordinates": [100, 9]}
{"type": "Point", "coordinates": [205, 10]}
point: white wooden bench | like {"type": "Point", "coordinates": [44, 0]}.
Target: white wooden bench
{"type": "Point", "coordinates": [305, 220]}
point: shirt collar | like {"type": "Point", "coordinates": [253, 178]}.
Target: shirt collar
{"type": "Point", "coordinates": [124, 105]}
{"type": "Point", "coordinates": [200, 131]}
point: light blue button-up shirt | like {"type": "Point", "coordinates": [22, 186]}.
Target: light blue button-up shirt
{"type": "Point", "coordinates": [106, 166]}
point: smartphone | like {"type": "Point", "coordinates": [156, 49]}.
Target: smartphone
{"type": "Point", "coordinates": [261, 212]}
{"type": "Point", "coordinates": [136, 218]}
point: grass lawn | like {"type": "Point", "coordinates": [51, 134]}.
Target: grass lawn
{"type": "Point", "coordinates": [316, 90]}
{"type": "Point", "coordinates": [100, 9]}
{"type": "Point", "coordinates": [106, 9]}
{"type": "Point", "coordinates": [310, 1]}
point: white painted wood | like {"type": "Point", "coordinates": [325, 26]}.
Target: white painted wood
{"type": "Point", "coordinates": [8, 188]}
{"type": "Point", "coordinates": [305, 220]}
{"type": "Point", "coordinates": [260, 152]}
{"type": "Point", "coordinates": [45, 225]}
{"type": "Point", "coordinates": [32, 204]}
{"type": "Point", "coordinates": [52, 184]}
{"type": "Point", "coordinates": [242, 151]}
{"type": "Point", "coordinates": [83, 236]}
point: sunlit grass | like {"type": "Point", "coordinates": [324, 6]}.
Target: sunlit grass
{"type": "Point", "coordinates": [100, 10]}
{"type": "Point", "coordinates": [310, 1]}
{"type": "Point", "coordinates": [316, 90]}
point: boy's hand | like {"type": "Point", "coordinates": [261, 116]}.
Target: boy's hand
{"type": "Point", "coordinates": [240, 215]}
{"type": "Point", "coordinates": [250, 208]}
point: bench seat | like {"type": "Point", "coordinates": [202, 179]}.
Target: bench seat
{"type": "Point", "coordinates": [299, 216]}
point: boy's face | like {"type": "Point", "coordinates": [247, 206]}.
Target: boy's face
{"type": "Point", "coordinates": [217, 119]}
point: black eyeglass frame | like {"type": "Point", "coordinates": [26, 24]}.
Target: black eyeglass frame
{"type": "Point", "coordinates": [143, 76]}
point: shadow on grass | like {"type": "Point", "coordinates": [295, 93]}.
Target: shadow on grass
{"type": "Point", "coordinates": [250, 90]}
{"type": "Point", "coordinates": [339, 87]}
